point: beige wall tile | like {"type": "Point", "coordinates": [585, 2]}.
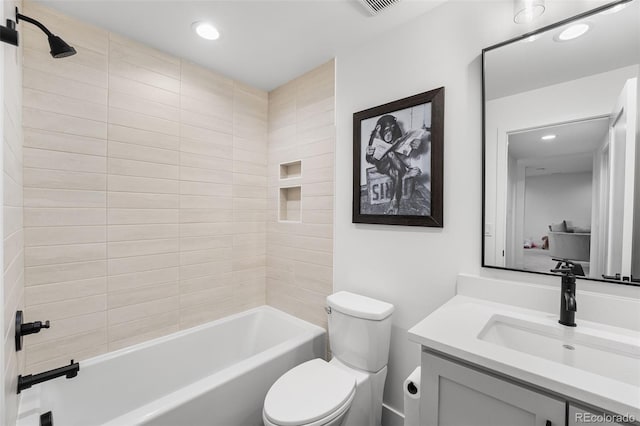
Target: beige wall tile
{"type": "Point", "coordinates": [65, 348]}
{"type": "Point", "coordinates": [300, 255]}
{"type": "Point", "coordinates": [51, 255]}
{"type": "Point", "coordinates": [87, 66]}
{"type": "Point", "coordinates": [117, 299]}
{"type": "Point", "coordinates": [122, 68]}
{"type": "Point", "coordinates": [141, 310]}
{"type": "Point", "coordinates": [119, 183]}
{"type": "Point", "coordinates": [48, 293]}
{"type": "Point", "coordinates": [141, 137]}
{"type": "Point", "coordinates": [50, 102]}
{"type": "Point", "coordinates": [47, 274]}
{"type": "Point", "coordinates": [49, 235]}
{"type": "Point", "coordinates": [51, 83]}
{"type": "Point", "coordinates": [132, 332]}
{"type": "Point", "coordinates": [46, 140]}
{"type": "Point", "coordinates": [36, 197]}
{"type": "Point", "coordinates": [63, 217]}
{"type": "Point", "coordinates": [70, 307]}
{"type": "Point", "coordinates": [141, 232]}
{"type": "Point", "coordinates": [131, 200]}
{"type": "Point", "coordinates": [144, 91]}
{"type": "Point", "coordinates": [127, 265]}
{"type": "Point", "coordinates": [141, 279]}
{"type": "Point", "coordinates": [141, 216]}
{"type": "Point", "coordinates": [44, 120]}
{"type": "Point", "coordinates": [142, 248]}
{"type": "Point", "coordinates": [56, 160]}
{"type": "Point", "coordinates": [63, 179]}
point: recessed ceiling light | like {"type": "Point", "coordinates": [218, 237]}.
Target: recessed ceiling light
{"type": "Point", "coordinates": [548, 137]}
{"type": "Point", "coordinates": [205, 30]}
{"type": "Point", "coordinates": [614, 9]}
{"type": "Point", "coordinates": [573, 32]}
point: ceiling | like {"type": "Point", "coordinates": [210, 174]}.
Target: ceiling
{"type": "Point", "coordinates": [263, 43]}
{"type": "Point", "coordinates": [570, 152]}
{"type": "Point", "coordinates": [613, 42]}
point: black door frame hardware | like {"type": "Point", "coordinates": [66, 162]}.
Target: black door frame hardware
{"type": "Point", "coordinates": [70, 371]}
{"type": "Point", "coordinates": [24, 329]}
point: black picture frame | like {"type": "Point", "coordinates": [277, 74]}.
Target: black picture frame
{"type": "Point", "coordinates": [412, 156]}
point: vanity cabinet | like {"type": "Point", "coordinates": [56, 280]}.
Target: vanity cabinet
{"type": "Point", "coordinates": [454, 395]}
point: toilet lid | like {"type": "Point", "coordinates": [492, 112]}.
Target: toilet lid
{"type": "Point", "coordinates": [308, 392]}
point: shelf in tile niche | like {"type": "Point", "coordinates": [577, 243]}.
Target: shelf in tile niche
{"type": "Point", "coordinates": [289, 204]}
{"type": "Point", "coordinates": [291, 170]}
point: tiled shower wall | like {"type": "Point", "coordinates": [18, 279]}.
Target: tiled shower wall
{"type": "Point", "coordinates": [145, 193]}
{"type": "Point", "coordinates": [300, 253]}
{"type": "Point", "coordinates": [13, 236]}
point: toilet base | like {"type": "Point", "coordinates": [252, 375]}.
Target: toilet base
{"type": "Point", "coordinates": [366, 408]}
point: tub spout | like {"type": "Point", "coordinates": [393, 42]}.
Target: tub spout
{"type": "Point", "coordinates": [70, 371]}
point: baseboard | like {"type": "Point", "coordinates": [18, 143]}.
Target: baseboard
{"type": "Point", "coordinates": [391, 417]}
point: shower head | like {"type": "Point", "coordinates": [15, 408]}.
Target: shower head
{"type": "Point", "coordinates": [59, 48]}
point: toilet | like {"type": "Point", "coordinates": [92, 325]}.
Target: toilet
{"type": "Point", "coordinates": [347, 390]}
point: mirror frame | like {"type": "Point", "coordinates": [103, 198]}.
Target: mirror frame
{"type": "Point", "coordinates": [484, 142]}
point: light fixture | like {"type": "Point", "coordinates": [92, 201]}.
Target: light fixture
{"type": "Point", "coordinates": [59, 48]}
{"type": "Point", "coordinates": [525, 11]}
{"type": "Point", "coordinates": [205, 30]}
{"type": "Point", "coordinates": [573, 32]}
{"type": "Point", "coordinates": [548, 137]}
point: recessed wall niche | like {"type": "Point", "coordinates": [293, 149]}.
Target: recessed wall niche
{"type": "Point", "coordinates": [291, 170]}
{"type": "Point", "coordinates": [289, 205]}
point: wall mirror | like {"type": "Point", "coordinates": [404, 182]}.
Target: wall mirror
{"type": "Point", "coordinates": [561, 160]}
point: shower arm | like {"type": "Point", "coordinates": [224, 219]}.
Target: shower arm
{"type": "Point", "coordinates": [20, 16]}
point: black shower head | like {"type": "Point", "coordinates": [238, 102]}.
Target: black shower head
{"type": "Point", "coordinates": [59, 48]}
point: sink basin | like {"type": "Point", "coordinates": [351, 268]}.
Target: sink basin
{"type": "Point", "coordinates": [606, 354]}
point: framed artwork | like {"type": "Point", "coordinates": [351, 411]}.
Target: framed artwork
{"type": "Point", "coordinates": [397, 161]}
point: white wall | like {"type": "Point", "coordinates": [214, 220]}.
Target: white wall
{"type": "Point", "coordinates": [554, 198]}
{"type": "Point", "coordinates": [416, 268]}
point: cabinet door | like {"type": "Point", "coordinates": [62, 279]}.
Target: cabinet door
{"type": "Point", "coordinates": [579, 417]}
{"type": "Point", "coordinates": [455, 395]}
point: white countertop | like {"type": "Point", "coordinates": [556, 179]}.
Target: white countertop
{"type": "Point", "coordinates": [454, 329]}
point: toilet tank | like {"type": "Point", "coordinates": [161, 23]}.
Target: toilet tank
{"type": "Point", "coordinates": [359, 330]}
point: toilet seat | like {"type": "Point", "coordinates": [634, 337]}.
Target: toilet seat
{"type": "Point", "coordinates": [313, 393]}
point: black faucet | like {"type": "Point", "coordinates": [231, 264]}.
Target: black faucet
{"type": "Point", "coordinates": [70, 371]}
{"type": "Point", "coordinates": [568, 305]}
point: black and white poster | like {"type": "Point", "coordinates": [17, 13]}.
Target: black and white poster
{"type": "Point", "coordinates": [395, 161]}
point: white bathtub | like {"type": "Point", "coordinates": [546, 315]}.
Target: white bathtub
{"type": "Point", "coordinates": [216, 374]}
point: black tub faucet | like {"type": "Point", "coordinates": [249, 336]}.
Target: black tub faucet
{"type": "Point", "coordinates": [568, 304]}
{"type": "Point", "coordinates": [70, 371]}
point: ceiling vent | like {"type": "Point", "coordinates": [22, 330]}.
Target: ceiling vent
{"type": "Point", "coordinates": [376, 6]}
